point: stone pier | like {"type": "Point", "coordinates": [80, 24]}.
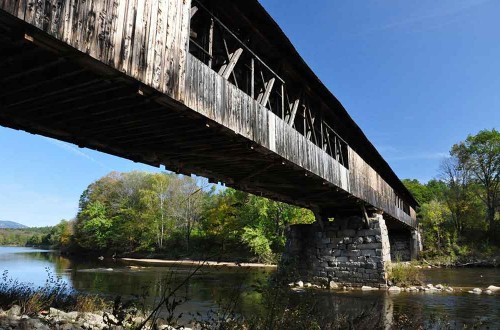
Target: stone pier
{"type": "Point", "coordinates": [347, 250]}
{"type": "Point", "coordinates": [405, 244]}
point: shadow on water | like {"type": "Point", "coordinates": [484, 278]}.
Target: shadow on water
{"type": "Point", "coordinates": [211, 286]}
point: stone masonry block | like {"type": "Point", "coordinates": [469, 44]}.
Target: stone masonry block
{"type": "Point", "coordinates": [368, 232]}
{"type": "Point", "coordinates": [358, 240]}
{"type": "Point", "coordinates": [337, 240]}
{"type": "Point", "coordinates": [369, 239]}
{"type": "Point", "coordinates": [348, 233]}
{"type": "Point", "coordinates": [353, 253]}
{"type": "Point", "coordinates": [369, 253]}
{"type": "Point", "coordinates": [370, 246]}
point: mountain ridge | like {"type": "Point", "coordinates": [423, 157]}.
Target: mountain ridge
{"type": "Point", "coordinates": [4, 224]}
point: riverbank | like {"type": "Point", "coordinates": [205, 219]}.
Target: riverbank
{"type": "Point", "coordinates": [53, 318]}
{"type": "Point", "coordinates": [119, 318]}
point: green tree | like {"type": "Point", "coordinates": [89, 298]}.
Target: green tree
{"type": "Point", "coordinates": [434, 217]}
{"type": "Point", "coordinates": [157, 199]}
{"type": "Point", "coordinates": [480, 155]}
{"type": "Point", "coordinates": [96, 226]}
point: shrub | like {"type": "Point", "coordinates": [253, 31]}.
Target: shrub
{"type": "Point", "coordinates": [401, 274]}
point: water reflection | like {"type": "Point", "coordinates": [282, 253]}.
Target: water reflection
{"type": "Point", "coordinates": [212, 287]}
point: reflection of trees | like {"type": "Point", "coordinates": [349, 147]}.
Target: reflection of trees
{"type": "Point", "coordinates": [209, 286]}
{"type": "Point", "coordinates": [59, 262]}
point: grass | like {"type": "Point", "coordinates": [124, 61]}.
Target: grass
{"type": "Point", "coordinates": [404, 275]}
{"type": "Point", "coordinates": [55, 293]}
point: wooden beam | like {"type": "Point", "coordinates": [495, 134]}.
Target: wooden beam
{"type": "Point", "coordinates": [294, 106]}
{"type": "Point", "coordinates": [211, 43]}
{"type": "Point", "coordinates": [365, 216]}
{"type": "Point", "coordinates": [264, 96]}
{"type": "Point", "coordinates": [252, 79]}
{"type": "Point", "coordinates": [226, 70]}
{"type": "Point", "coordinates": [194, 10]}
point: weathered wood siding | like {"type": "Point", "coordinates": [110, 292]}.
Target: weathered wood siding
{"type": "Point", "coordinates": [146, 39]}
{"type": "Point", "coordinates": [211, 95]}
{"type": "Point", "coordinates": [367, 184]}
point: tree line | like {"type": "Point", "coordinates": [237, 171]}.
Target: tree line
{"type": "Point", "coordinates": [177, 216]}
{"type": "Point", "coordinates": [459, 210]}
{"type": "Point", "coordinates": [181, 216]}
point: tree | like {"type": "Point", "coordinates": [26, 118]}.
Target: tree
{"type": "Point", "coordinates": [418, 190]}
{"type": "Point", "coordinates": [221, 219]}
{"type": "Point", "coordinates": [434, 216]}
{"type": "Point", "coordinates": [157, 198]}
{"type": "Point", "coordinates": [457, 194]}
{"type": "Point", "coordinates": [480, 155]}
{"type": "Point", "coordinates": [190, 200]}
{"type": "Point", "coordinates": [95, 227]}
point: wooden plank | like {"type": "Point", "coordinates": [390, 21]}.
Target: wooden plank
{"type": "Point", "coordinates": [21, 9]}
{"type": "Point", "coordinates": [66, 33]}
{"type": "Point", "coordinates": [183, 46]}
{"type": "Point", "coordinates": [90, 26]}
{"type": "Point", "coordinates": [127, 48]}
{"type": "Point", "coordinates": [150, 42]}
{"type": "Point", "coordinates": [264, 96]}
{"type": "Point", "coordinates": [158, 72]}
{"type": "Point", "coordinates": [226, 70]}
{"type": "Point", "coordinates": [39, 9]}
{"type": "Point", "coordinates": [168, 57]}
{"type": "Point", "coordinates": [194, 10]}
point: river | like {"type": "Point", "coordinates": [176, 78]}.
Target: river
{"type": "Point", "coordinates": [211, 287]}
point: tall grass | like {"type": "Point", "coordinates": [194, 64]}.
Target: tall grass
{"type": "Point", "coordinates": [54, 293]}
{"type": "Point", "coordinates": [404, 275]}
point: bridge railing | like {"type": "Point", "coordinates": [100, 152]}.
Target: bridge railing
{"type": "Point", "coordinates": [229, 53]}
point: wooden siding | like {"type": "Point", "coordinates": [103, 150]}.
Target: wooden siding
{"type": "Point", "coordinates": [214, 97]}
{"type": "Point", "coordinates": [145, 39]}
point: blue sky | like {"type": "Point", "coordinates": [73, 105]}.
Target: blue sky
{"type": "Point", "coordinates": [417, 77]}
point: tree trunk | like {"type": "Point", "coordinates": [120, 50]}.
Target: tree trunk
{"type": "Point", "coordinates": [491, 220]}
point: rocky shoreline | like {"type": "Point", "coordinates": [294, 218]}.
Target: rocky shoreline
{"type": "Point", "coordinates": [57, 319]}
{"type": "Point", "coordinates": [300, 285]}
{"type": "Point", "coordinates": [13, 318]}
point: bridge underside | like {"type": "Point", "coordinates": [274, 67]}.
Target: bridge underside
{"type": "Point", "coordinates": [53, 90]}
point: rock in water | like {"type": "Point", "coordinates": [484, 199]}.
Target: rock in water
{"type": "Point", "coordinates": [300, 284]}
{"type": "Point", "coordinates": [493, 288]}
{"type": "Point", "coordinates": [333, 285]}
{"type": "Point", "coordinates": [366, 288]}
{"type": "Point", "coordinates": [394, 289]}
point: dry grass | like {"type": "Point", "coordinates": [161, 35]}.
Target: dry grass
{"type": "Point", "coordinates": [55, 293]}
{"type": "Point", "coordinates": [404, 275]}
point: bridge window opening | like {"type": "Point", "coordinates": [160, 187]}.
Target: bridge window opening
{"type": "Point", "coordinates": [402, 205]}
{"type": "Point", "coordinates": [227, 51]}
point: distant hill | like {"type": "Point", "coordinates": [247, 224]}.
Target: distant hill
{"type": "Point", "coordinates": [11, 225]}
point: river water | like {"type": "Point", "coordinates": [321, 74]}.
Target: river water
{"type": "Point", "coordinates": [212, 287]}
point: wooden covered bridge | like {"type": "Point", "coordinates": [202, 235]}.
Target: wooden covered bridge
{"type": "Point", "coordinates": [210, 87]}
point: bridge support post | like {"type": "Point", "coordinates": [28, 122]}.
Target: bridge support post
{"type": "Point", "coordinates": [344, 251]}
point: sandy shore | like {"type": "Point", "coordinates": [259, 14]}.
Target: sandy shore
{"type": "Point", "coordinates": [197, 262]}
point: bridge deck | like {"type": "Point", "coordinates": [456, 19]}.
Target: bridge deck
{"type": "Point", "coordinates": [134, 91]}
